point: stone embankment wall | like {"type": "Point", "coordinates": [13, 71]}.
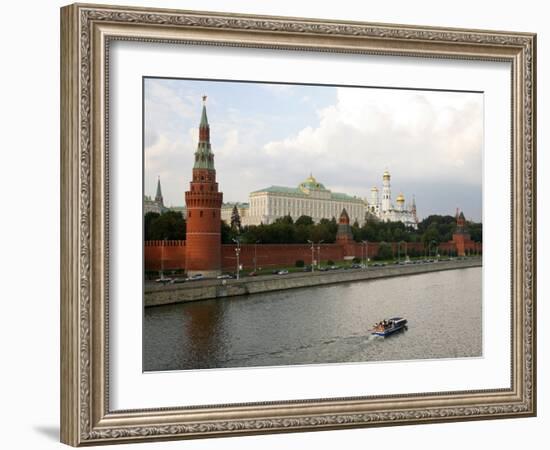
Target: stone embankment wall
{"type": "Point", "coordinates": [209, 289]}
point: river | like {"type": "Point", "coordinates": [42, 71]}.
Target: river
{"type": "Point", "coordinates": [319, 325]}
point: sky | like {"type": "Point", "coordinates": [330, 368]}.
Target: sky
{"type": "Point", "coordinates": [277, 134]}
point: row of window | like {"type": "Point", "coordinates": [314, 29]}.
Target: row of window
{"type": "Point", "coordinates": [201, 214]}
{"type": "Point", "coordinates": [201, 188]}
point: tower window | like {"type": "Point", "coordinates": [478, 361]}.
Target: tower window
{"type": "Point", "coordinates": [214, 214]}
{"type": "Point", "coordinates": [189, 215]}
{"type": "Point", "coordinates": [201, 213]}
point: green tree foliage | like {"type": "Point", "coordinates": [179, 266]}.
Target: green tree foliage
{"type": "Point", "coordinates": [169, 225]}
{"type": "Point", "coordinates": [235, 219]}
{"type": "Point", "coordinates": [304, 221]}
{"type": "Point", "coordinates": [385, 251]}
{"type": "Point", "coordinates": [285, 230]}
{"type": "Point", "coordinates": [476, 231]}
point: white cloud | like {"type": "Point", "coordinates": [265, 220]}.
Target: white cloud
{"type": "Point", "coordinates": [417, 136]}
{"type": "Point", "coordinates": [430, 141]}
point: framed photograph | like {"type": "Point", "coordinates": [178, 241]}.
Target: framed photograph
{"type": "Point", "coordinates": [276, 224]}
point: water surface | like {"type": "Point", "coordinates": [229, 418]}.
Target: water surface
{"type": "Point", "coordinates": [325, 324]}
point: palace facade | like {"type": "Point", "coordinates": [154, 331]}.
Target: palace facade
{"type": "Point", "coordinates": [310, 198]}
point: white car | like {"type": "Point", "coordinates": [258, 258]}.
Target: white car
{"type": "Point", "coordinates": [197, 276]}
{"type": "Point", "coordinates": [282, 272]}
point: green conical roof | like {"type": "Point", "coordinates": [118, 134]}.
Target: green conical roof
{"type": "Point", "coordinates": [204, 117]}
{"type": "Point", "coordinates": [204, 158]}
{"type": "Point", "coordinates": [158, 196]}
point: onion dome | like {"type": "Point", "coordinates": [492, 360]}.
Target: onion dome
{"type": "Point", "coordinates": [311, 183]}
{"type": "Point", "coordinates": [400, 198]}
{"type": "Point", "coordinates": [386, 175]}
{"type": "Point", "coordinates": [374, 189]}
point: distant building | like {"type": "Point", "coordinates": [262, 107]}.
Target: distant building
{"type": "Point", "coordinates": [309, 198]}
{"type": "Point", "coordinates": [227, 211]}
{"type": "Point", "coordinates": [313, 199]}
{"type": "Point", "coordinates": [461, 238]}
{"type": "Point", "coordinates": [156, 205]}
{"type": "Point", "coordinates": [385, 210]}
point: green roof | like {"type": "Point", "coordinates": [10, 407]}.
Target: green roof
{"type": "Point", "coordinates": [298, 192]}
{"type": "Point", "coordinates": [204, 118]}
{"type": "Point", "coordinates": [204, 158]}
{"type": "Point", "coordinates": [280, 190]}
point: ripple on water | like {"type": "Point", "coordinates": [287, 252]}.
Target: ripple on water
{"type": "Point", "coordinates": [320, 325]}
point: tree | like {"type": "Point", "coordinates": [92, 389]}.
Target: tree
{"type": "Point", "coordinates": [385, 251]}
{"type": "Point", "coordinates": [147, 220]}
{"type": "Point", "coordinates": [304, 220]}
{"type": "Point", "coordinates": [476, 231]}
{"type": "Point", "coordinates": [169, 225]}
{"type": "Point", "coordinates": [228, 233]}
{"type": "Point", "coordinates": [235, 219]}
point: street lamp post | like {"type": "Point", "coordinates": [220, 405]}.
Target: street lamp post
{"type": "Point", "coordinates": [237, 253]}
{"type": "Point", "coordinates": [162, 259]}
{"type": "Point", "coordinates": [366, 245]}
{"type": "Point", "coordinates": [312, 254]}
{"type": "Point", "coordinates": [255, 254]}
{"type": "Point", "coordinates": [399, 250]}
{"type": "Point", "coordinates": [319, 252]}
{"type": "Point", "coordinates": [430, 248]}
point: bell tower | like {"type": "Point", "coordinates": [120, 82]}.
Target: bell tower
{"type": "Point", "coordinates": [203, 201]}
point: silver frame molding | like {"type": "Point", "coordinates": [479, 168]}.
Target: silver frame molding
{"type": "Point", "coordinates": [86, 31]}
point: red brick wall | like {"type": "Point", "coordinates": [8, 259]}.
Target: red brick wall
{"type": "Point", "coordinates": [278, 254]}
{"type": "Point", "coordinates": [172, 252]}
{"type": "Point", "coordinates": [269, 255]}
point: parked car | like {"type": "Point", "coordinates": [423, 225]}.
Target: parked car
{"type": "Point", "coordinates": [282, 272]}
{"type": "Point", "coordinates": [253, 274]}
{"type": "Point", "coordinates": [224, 276]}
{"type": "Point", "coordinates": [178, 280]}
{"type": "Point", "coordinates": [163, 280]}
{"type": "Point", "coordinates": [197, 276]}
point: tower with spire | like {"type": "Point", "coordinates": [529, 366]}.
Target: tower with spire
{"type": "Point", "coordinates": [203, 201]}
{"type": "Point", "coordinates": [158, 195]}
{"type": "Point", "coordinates": [344, 234]}
{"type": "Point", "coordinates": [461, 238]}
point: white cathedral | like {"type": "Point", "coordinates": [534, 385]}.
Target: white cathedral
{"type": "Point", "coordinates": [385, 210]}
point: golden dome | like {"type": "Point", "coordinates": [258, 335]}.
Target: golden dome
{"type": "Point", "coordinates": [374, 189]}
{"type": "Point", "coordinates": [311, 179]}
{"type": "Point", "coordinates": [400, 198]}
{"type": "Point", "coordinates": [386, 174]}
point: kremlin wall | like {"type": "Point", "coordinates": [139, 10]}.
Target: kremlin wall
{"type": "Point", "coordinates": [202, 251]}
{"type": "Point", "coordinates": [171, 254]}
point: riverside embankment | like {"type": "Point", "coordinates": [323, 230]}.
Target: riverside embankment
{"type": "Point", "coordinates": [156, 295]}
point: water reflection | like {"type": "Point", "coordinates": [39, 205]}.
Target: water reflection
{"type": "Point", "coordinates": [320, 325]}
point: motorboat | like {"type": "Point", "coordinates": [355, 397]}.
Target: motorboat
{"type": "Point", "coordinates": [389, 326]}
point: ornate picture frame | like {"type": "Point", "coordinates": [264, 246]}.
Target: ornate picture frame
{"type": "Point", "coordinates": [86, 34]}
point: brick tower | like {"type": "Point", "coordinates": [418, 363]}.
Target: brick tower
{"type": "Point", "coordinates": [461, 238]}
{"type": "Point", "coordinates": [203, 201]}
{"type": "Point", "coordinates": [344, 234]}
